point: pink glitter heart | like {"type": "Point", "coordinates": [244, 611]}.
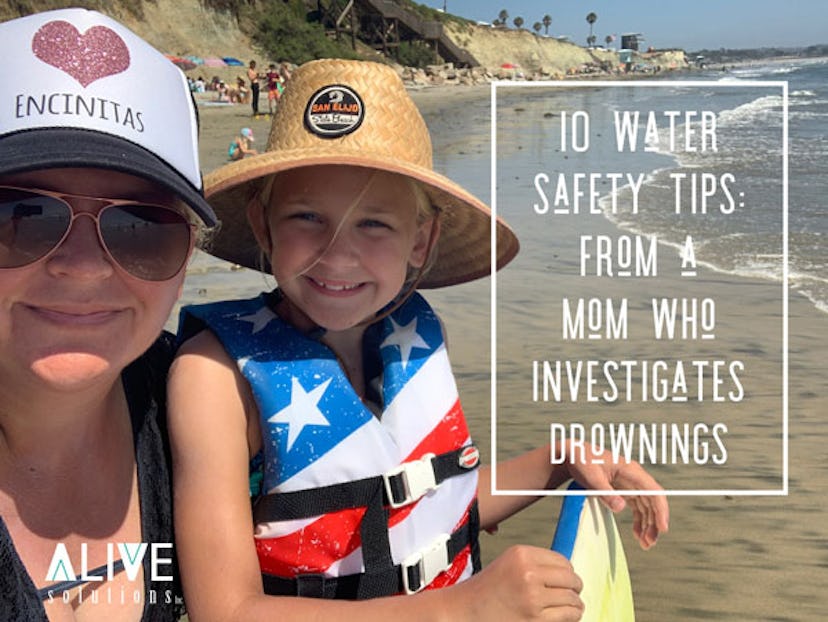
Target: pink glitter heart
{"type": "Point", "coordinates": [96, 54]}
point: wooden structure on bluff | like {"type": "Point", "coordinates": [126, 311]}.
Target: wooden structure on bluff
{"type": "Point", "coordinates": [384, 24]}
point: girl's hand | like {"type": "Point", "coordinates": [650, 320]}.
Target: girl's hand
{"type": "Point", "coordinates": [651, 513]}
{"type": "Point", "coordinates": [524, 583]}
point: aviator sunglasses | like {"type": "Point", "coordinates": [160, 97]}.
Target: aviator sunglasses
{"type": "Point", "coordinates": [150, 242]}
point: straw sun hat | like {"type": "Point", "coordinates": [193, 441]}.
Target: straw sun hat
{"type": "Point", "coordinates": [356, 113]}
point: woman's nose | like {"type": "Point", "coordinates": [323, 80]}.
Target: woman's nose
{"type": "Point", "coordinates": [81, 254]}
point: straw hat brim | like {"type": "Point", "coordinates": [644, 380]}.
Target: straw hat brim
{"type": "Point", "coordinates": [464, 248]}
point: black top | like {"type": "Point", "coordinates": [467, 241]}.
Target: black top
{"type": "Point", "coordinates": [145, 388]}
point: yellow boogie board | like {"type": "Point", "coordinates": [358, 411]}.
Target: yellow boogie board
{"type": "Point", "coordinates": [587, 535]}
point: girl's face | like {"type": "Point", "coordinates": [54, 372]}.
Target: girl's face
{"type": "Point", "coordinates": [341, 240]}
{"type": "Point", "coordinates": [76, 318]}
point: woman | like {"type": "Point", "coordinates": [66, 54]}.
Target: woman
{"type": "Point", "coordinates": [85, 505]}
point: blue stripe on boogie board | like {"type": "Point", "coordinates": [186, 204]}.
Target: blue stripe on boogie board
{"type": "Point", "coordinates": [568, 522]}
{"type": "Point", "coordinates": [587, 535]}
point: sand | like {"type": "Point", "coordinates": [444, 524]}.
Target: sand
{"type": "Point", "coordinates": [725, 557]}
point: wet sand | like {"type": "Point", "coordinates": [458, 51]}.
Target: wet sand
{"type": "Point", "coordinates": [726, 557]}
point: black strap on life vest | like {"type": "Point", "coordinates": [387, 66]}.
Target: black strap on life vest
{"type": "Point", "coordinates": [359, 493]}
{"type": "Point", "coordinates": [399, 487]}
{"type": "Point", "coordinates": [409, 578]}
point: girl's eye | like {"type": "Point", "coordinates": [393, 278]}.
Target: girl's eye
{"type": "Point", "coordinates": [372, 223]}
{"type": "Point", "coordinates": [306, 216]}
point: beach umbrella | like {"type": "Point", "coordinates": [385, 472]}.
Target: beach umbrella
{"type": "Point", "coordinates": [182, 63]}
{"type": "Point", "coordinates": [232, 62]}
{"type": "Point", "coordinates": [214, 61]}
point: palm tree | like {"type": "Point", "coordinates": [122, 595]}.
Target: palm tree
{"type": "Point", "coordinates": [503, 16]}
{"type": "Point", "coordinates": [518, 22]}
{"type": "Point", "coordinates": [536, 27]}
{"type": "Point", "coordinates": [609, 39]}
{"type": "Point", "coordinates": [546, 22]}
{"type": "Point", "coordinates": [591, 18]}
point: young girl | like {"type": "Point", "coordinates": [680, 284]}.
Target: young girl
{"type": "Point", "coordinates": [340, 380]}
{"type": "Point", "coordinates": [240, 147]}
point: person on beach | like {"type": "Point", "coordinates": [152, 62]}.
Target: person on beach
{"type": "Point", "coordinates": [100, 206]}
{"type": "Point", "coordinates": [274, 87]}
{"type": "Point", "coordinates": [338, 383]}
{"type": "Point", "coordinates": [240, 146]}
{"type": "Point", "coordinates": [222, 93]}
{"type": "Point", "coordinates": [284, 69]}
{"type": "Point", "coordinates": [253, 76]}
{"type": "Point", "coordinates": [241, 93]}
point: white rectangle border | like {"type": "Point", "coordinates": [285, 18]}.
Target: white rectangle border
{"type": "Point", "coordinates": [783, 84]}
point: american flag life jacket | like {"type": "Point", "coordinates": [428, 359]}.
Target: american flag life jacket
{"type": "Point", "coordinates": [357, 506]}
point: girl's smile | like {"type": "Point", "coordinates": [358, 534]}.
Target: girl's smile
{"type": "Point", "coordinates": [342, 240]}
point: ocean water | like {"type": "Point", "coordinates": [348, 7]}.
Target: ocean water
{"type": "Point", "coordinates": [749, 121]}
{"type": "Point", "coordinates": [808, 182]}
{"type": "Point", "coordinates": [744, 172]}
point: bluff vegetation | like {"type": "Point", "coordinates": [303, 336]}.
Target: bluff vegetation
{"type": "Point", "coordinates": [273, 30]}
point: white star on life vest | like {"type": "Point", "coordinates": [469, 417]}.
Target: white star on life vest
{"type": "Point", "coordinates": [303, 409]}
{"type": "Point", "coordinates": [406, 338]}
{"type": "Point", "coordinates": [290, 371]}
{"type": "Point", "coordinates": [260, 319]}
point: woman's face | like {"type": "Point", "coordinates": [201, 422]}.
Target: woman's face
{"type": "Point", "coordinates": [76, 318]}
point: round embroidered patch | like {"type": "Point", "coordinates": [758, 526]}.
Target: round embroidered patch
{"type": "Point", "coordinates": [469, 457]}
{"type": "Point", "coordinates": [334, 111]}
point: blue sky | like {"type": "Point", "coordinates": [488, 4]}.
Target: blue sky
{"type": "Point", "coordinates": [687, 24]}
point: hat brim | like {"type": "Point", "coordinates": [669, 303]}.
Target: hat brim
{"type": "Point", "coordinates": [46, 148]}
{"type": "Point", "coordinates": [463, 217]}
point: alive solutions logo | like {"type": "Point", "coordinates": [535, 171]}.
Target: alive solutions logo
{"type": "Point", "coordinates": [67, 582]}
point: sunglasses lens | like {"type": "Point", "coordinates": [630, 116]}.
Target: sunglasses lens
{"type": "Point", "coordinates": [148, 241]}
{"type": "Point", "coordinates": [31, 225]}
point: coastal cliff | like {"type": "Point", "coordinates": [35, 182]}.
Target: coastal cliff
{"type": "Point", "coordinates": [183, 27]}
{"type": "Point", "coordinates": [548, 57]}
{"type": "Point", "coordinates": [173, 26]}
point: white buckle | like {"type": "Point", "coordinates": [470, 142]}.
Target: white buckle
{"type": "Point", "coordinates": [431, 562]}
{"type": "Point", "coordinates": [417, 477]}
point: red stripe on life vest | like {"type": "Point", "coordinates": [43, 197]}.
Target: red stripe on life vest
{"type": "Point", "coordinates": [313, 548]}
{"type": "Point", "coordinates": [316, 546]}
{"type": "Point", "coordinates": [447, 436]}
{"type": "Point", "coordinates": [454, 572]}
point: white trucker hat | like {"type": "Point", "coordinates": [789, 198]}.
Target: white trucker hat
{"type": "Point", "coordinates": [81, 90]}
